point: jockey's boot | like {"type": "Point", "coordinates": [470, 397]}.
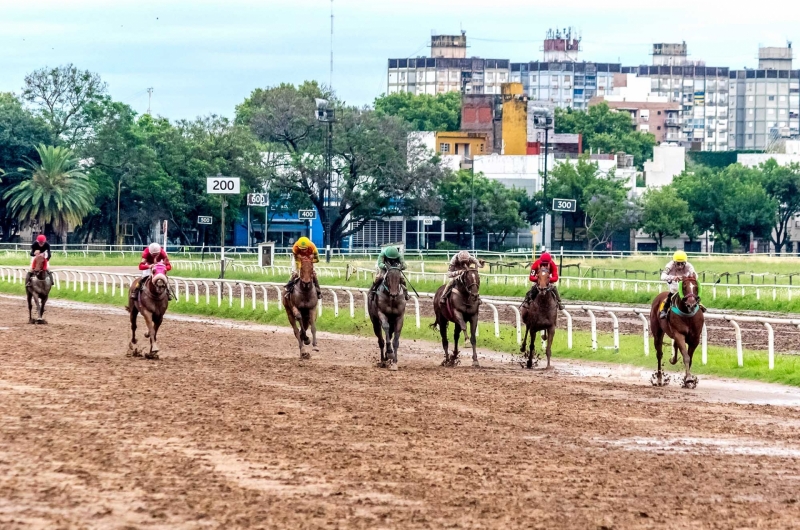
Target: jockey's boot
{"type": "Point", "coordinates": [319, 291]}
{"type": "Point", "coordinates": [405, 290]}
{"type": "Point", "coordinates": [665, 310]}
{"type": "Point", "coordinates": [28, 278]}
{"type": "Point", "coordinates": [446, 293]}
{"type": "Point", "coordinates": [52, 280]}
{"type": "Point", "coordinates": [289, 286]}
{"type": "Point", "coordinates": [137, 289]}
{"type": "Point", "coordinates": [530, 296]}
{"type": "Point", "coordinates": [558, 297]}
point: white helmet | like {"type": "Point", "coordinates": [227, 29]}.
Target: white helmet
{"type": "Point", "coordinates": [463, 255]}
{"type": "Point", "coordinates": [155, 249]}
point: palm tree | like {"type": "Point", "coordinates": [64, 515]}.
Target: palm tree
{"type": "Point", "coordinates": [57, 193]}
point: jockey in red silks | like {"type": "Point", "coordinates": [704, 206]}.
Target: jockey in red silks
{"type": "Point", "coordinates": [544, 260]}
{"type": "Point", "coordinates": [40, 246]}
{"type": "Point", "coordinates": [151, 256]}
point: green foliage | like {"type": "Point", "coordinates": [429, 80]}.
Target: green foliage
{"type": "Point", "coordinates": [605, 130]}
{"type": "Point", "coordinates": [782, 185]}
{"type": "Point", "coordinates": [446, 245]}
{"type": "Point", "coordinates": [424, 112]}
{"type": "Point", "coordinates": [665, 214]}
{"type": "Point", "coordinates": [58, 194]}
{"type": "Point", "coordinates": [497, 210]}
{"type": "Point", "coordinates": [714, 159]}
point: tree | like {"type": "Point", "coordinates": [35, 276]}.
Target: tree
{"type": "Point", "coordinates": [20, 133]}
{"type": "Point", "coordinates": [58, 194]}
{"type": "Point", "coordinates": [665, 214]}
{"type": "Point", "coordinates": [782, 184]}
{"type": "Point", "coordinates": [606, 130]}
{"type": "Point", "coordinates": [568, 180]}
{"type": "Point", "coordinates": [62, 95]}
{"type": "Point", "coordinates": [372, 176]}
{"type": "Point", "coordinates": [608, 210]}
{"type": "Point", "coordinates": [424, 112]}
{"type": "Point", "coordinates": [497, 208]}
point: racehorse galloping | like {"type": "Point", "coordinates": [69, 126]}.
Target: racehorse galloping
{"type": "Point", "coordinates": [301, 305]}
{"type": "Point", "coordinates": [387, 310]}
{"type": "Point", "coordinates": [540, 315]}
{"type": "Point", "coordinates": [684, 324]}
{"type": "Point", "coordinates": [461, 307]}
{"type": "Point", "coordinates": [38, 290]}
{"type": "Point", "coordinates": [152, 302]}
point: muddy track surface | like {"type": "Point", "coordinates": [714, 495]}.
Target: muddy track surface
{"type": "Point", "coordinates": [231, 430]}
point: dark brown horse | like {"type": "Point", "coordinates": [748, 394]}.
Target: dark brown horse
{"type": "Point", "coordinates": [462, 307]}
{"type": "Point", "coordinates": [152, 302]}
{"type": "Point", "coordinates": [387, 309]}
{"type": "Point", "coordinates": [684, 324]}
{"type": "Point", "coordinates": [301, 308]}
{"type": "Point", "coordinates": [540, 315]}
{"type": "Point", "coordinates": [39, 290]}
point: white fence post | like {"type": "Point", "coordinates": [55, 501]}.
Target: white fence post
{"type": "Point", "coordinates": [616, 331]}
{"type": "Point", "coordinates": [770, 345]}
{"type": "Point", "coordinates": [704, 346]}
{"type": "Point", "coordinates": [645, 333]}
{"type": "Point", "coordinates": [594, 328]}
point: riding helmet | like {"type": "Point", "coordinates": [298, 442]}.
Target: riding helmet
{"type": "Point", "coordinates": [41, 238]}
{"type": "Point", "coordinates": [303, 242]}
{"type": "Point", "coordinates": [392, 253]}
{"type": "Point", "coordinates": [546, 257]}
{"type": "Point", "coordinates": [154, 248]}
{"type": "Point", "coordinates": [680, 257]}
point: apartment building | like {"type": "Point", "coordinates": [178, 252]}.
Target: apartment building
{"type": "Point", "coordinates": [448, 69]}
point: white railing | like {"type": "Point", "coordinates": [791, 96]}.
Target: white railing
{"type": "Point", "coordinates": [80, 280]}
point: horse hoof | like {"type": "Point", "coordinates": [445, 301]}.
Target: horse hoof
{"type": "Point", "coordinates": [147, 334]}
{"type": "Point", "coordinates": [43, 322]}
{"type": "Point", "coordinates": [152, 356]}
{"type": "Point", "coordinates": [315, 348]}
{"type": "Point", "coordinates": [529, 365]}
{"type": "Point", "coordinates": [476, 364]}
{"type": "Point", "coordinates": [306, 341]}
{"type": "Point", "coordinates": [31, 321]}
{"type": "Point", "coordinates": [673, 360]}
{"type": "Point", "coordinates": [393, 367]}
{"type": "Point", "coordinates": [304, 356]}
{"type": "Point", "coordinates": [664, 381]}
{"type": "Point", "coordinates": [690, 383]}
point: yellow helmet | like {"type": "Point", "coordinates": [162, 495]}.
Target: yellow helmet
{"type": "Point", "coordinates": [303, 242]}
{"type": "Point", "coordinates": [680, 257]}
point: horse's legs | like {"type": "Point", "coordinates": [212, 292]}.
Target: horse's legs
{"type": "Point", "coordinates": [134, 313]}
{"type": "Point", "coordinates": [473, 328]}
{"type": "Point", "coordinates": [41, 310]}
{"type": "Point", "coordinates": [378, 330]}
{"type": "Point", "coordinates": [387, 332]}
{"type": "Point", "coordinates": [443, 325]}
{"type": "Point", "coordinates": [551, 331]}
{"type": "Point", "coordinates": [148, 320]}
{"type": "Point", "coordinates": [30, 308]}
{"type": "Point", "coordinates": [398, 328]}
{"type": "Point", "coordinates": [460, 325]}
{"type": "Point", "coordinates": [295, 328]}
{"type": "Point", "coordinates": [312, 319]}
{"type": "Point", "coordinates": [531, 350]}
{"type": "Point", "coordinates": [38, 306]}
{"type": "Point", "coordinates": [303, 325]}
{"type": "Point", "coordinates": [524, 347]}
{"type": "Point", "coordinates": [658, 343]}
{"type": "Point", "coordinates": [680, 342]}
{"type": "Point", "coordinates": [456, 336]}
{"type": "Point", "coordinates": [157, 320]}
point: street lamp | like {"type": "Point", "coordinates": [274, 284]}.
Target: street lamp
{"type": "Point", "coordinates": [472, 207]}
{"type": "Point", "coordinates": [543, 118]}
{"type": "Point", "coordinates": [326, 114]}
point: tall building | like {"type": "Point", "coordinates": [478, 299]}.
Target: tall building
{"type": "Point", "coordinates": [765, 102]}
{"type": "Point", "coordinates": [560, 79]}
{"type": "Point", "coordinates": [701, 91]}
{"type": "Point", "coordinates": [448, 69]}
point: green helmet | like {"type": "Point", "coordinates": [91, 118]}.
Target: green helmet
{"type": "Point", "coordinates": [392, 253]}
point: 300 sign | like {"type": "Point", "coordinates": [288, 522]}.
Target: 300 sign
{"type": "Point", "coordinates": [564, 205]}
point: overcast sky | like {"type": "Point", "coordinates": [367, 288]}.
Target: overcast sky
{"type": "Point", "coordinates": [203, 56]}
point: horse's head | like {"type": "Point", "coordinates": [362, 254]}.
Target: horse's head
{"type": "Point", "coordinates": [39, 263]}
{"type": "Point", "coordinates": [392, 281]}
{"type": "Point", "coordinates": [690, 293]}
{"type": "Point", "coordinates": [306, 272]}
{"type": "Point", "coordinates": [543, 278]}
{"type": "Point", "coordinates": [472, 282]}
{"type": "Point", "coordinates": [159, 283]}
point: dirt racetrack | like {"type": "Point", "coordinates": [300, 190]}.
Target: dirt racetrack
{"type": "Point", "coordinates": [230, 430]}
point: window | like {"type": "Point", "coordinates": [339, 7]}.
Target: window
{"type": "Point", "coordinates": [480, 148]}
{"type": "Point", "coordinates": [771, 98]}
{"type": "Point", "coordinates": [659, 113]}
{"type": "Point", "coordinates": [659, 127]}
{"type": "Point", "coordinates": [770, 111]}
{"type": "Point", "coordinates": [710, 134]}
{"type": "Point", "coordinates": [444, 148]}
{"type": "Point", "coordinates": [749, 136]}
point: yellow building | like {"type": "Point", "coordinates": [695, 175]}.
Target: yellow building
{"type": "Point", "coordinates": [464, 144]}
{"type": "Point", "coordinates": [515, 119]}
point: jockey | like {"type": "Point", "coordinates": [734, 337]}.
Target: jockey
{"type": "Point", "coordinates": [460, 263]}
{"type": "Point", "coordinates": [674, 272]}
{"type": "Point", "coordinates": [304, 248]}
{"type": "Point", "coordinates": [150, 256]}
{"type": "Point", "coordinates": [544, 260]}
{"type": "Point", "coordinates": [389, 257]}
{"type": "Point", "coordinates": [40, 246]}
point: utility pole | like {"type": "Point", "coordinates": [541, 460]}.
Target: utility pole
{"type": "Point", "coordinates": [327, 115]}
{"type": "Point", "coordinates": [222, 240]}
{"type": "Point", "coordinates": [472, 207]}
{"type": "Point", "coordinates": [544, 217]}
{"type": "Point", "coordinates": [330, 82]}
{"type": "Point", "coordinates": [149, 99]}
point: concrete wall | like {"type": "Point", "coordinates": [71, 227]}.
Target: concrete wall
{"type": "Point", "coordinates": [515, 120]}
{"type": "Point", "coordinates": [668, 162]}
{"type": "Point", "coordinates": [754, 159]}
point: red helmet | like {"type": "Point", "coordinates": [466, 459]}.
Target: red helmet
{"type": "Point", "coordinates": [546, 257]}
{"type": "Point", "coordinates": [40, 238]}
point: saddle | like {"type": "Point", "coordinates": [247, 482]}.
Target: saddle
{"type": "Point", "coordinates": [448, 310]}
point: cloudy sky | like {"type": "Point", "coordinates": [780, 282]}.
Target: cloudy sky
{"type": "Point", "coordinates": [203, 56]}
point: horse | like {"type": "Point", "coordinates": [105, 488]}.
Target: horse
{"type": "Point", "coordinates": [460, 308]}
{"type": "Point", "coordinates": [301, 308]}
{"type": "Point", "coordinates": [152, 303]}
{"type": "Point", "coordinates": [387, 308]}
{"type": "Point", "coordinates": [684, 324]}
{"type": "Point", "coordinates": [540, 315]}
{"type": "Point", "coordinates": [39, 290]}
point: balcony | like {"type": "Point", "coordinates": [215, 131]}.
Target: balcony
{"type": "Point", "coordinates": [672, 122]}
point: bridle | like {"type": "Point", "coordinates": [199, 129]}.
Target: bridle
{"type": "Point", "coordinates": [690, 300]}
{"type": "Point", "coordinates": [468, 286]}
{"type": "Point", "coordinates": [384, 285]}
{"type": "Point", "coordinates": [543, 269]}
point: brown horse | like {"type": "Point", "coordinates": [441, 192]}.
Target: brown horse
{"type": "Point", "coordinates": [152, 303]}
{"type": "Point", "coordinates": [684, 323]}
{"type": "Point", "coordinates": [540, 315]}
{"type": "Point", "coordinates": [39, 290]}
{"type": "Point", "coordinates": [462, 307]}
{"type": "Point", "coordinates": [387, 309]}
{"type": "Point", "coordinates": [301, 308]}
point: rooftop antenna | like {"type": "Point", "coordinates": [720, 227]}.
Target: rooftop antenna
{"type": "Point", "coordinates": [149, 98]}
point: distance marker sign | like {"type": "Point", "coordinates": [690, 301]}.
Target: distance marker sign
{"type": "Point", "coordinates": [565, 205]}
{"type": "Point", "coordinates": [220, 185]}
